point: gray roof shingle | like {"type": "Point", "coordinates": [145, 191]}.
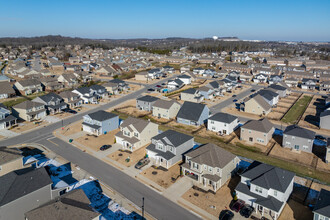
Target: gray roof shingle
{"type": "Point", "coordinates": [262, 125]}
{"type": "Point", "coordinates": [295, 130]}
{"type": "Point", "coordinates": [101, 115]}
{"type": "Point", "coordinates": [223, 117]}
{"type": "Point", "coordinates": [322, 205]}
{"type": "Point", "coordinates": [191, 111]}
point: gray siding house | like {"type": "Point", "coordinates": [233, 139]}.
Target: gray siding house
{"type": "Point", "coordinates": [322, 207]}
{"type": "Point", "coordinates": [145, 103]}
{"type": "Point", "coordinates": [298, 138]}
{"type": "Point", "coordinates": [53, 102]}
{"type": "Point", "coordinates": [325, 119]}
{"type": "Point", "coordinates": [193, 114]}
{"type": "Point", "coordinates": [24, 190]}
{"type": "Point", "coordinates": [167, 148]}
{"type": "Point", "coordinates": [100, 122]}
{"type": "Point", "coordinates": [210, 166]}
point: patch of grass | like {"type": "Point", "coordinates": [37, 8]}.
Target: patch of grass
{"type": "Point", "coordinates": [297, 110]}
{"type": "Point", "coordinates": [249, 148]}
{"type": "Point", "coordinates": [14, 102]}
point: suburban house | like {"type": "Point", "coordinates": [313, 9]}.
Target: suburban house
{"type": "Point", "coordinates": [325, 119]}
{"type": "Point", "coordinates": [207, 92]}
{"type": "Point", "coordinates": [324, 86]}
{"type": "Point", "coordinates": [327, 152]}
{"type": "Point", "coordinates": [257, 105]}
{"type": "Point", "coordinates": [68, 79]}
{"type": "Point", "coordinates": [165, 108]}
{"type": "Point", "coordinates": [100, 122]}
{"type": "Point", "coordinates": [135, 133]}
{"type": "Point", "coordinates": [269, 96]}
{"type": "Point", "coordinates": [167, 148]}
{"type": "Point", "coordinates": [168, 69]}
{"type": "Point", "coordinates": [257, 131]}
{"type": "Point", "coordinates": [23, 190]}
{"type": "Point", "coordinates": [72, 205]}
{"type": "Point", "coordinates": [266, 188]}
{"type": "Point", "coordinates": [191, 95]}
{"type": "Point", "coordinates": [6, 90]}
{"type": "Point", "coordinates": [51, 84]}
{"type": "Point", "coordinates": [193, 114]}
{"type": "Point", "coordinates": [260, 78]}
{"type": "Point", "coordinates": [273, 79]}
{"type": "Point", "coordinates": [72, 99]}
{"type": "Point", "coordinates": [145, 103]}
{"type": "Point", "coordinates": [53, 102]}
{"type": "Point", "coordinates": [185, 79]}
{"type": "Point", "coordinates": [28, 86]}
{"type": "Point", "coordinates": [321, 209]}
{"type": "Point", "coordinates": [11, 159]}
{"type": "Point", "coordinates": [222, 123]}
{"type": "Point", "coordinates": [210, 166]}
{"type": "Point", "coordinates": [91, 94]}
{"type": "Point", "coordinates": [29, 110]}
{"type": "Point", "coordinates": [298, 138]}
{"type": "Point", "coordinates": [121, 85]}
{"type": "Point", "coordinates": [280, 90]}
{"type": "Point", "coordinates": [175, 84]}
{"type": "Point", "coordinates": [142, 76]}
{"type": "Point", "coordinates": [6, 119]}
{"type": "Point", "coordinates": [291, 82]}
{"type": "Point", "coordinates": [198, 71]}
{"type": "Point", "coordinates": [308, 83]}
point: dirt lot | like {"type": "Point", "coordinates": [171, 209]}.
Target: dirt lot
{"type": "Point", "coordinates": [234, 111]}
{"type": "Point", "coordinates": [25, 126]}
{"type": "Point", "coordinates": [285, 153]}
{"type": "Point", "coordinates": [162, 178]}
{"type": "Point", "coordinates": [63, 115]}
{"type": "Point", "coordinates": [261, 148]}
{"type": "Point", "coordinates": [322, 165]}
{"type": "Point", "coordinates": [95, 142]}
{"type": "Point", "coordinates": [134, 157]}
{"type": "Point", "coordinates": [295, 210]}
{"type": "Point", "coordinates": [72, 129]}
{"type": "Point", "coordinates": [213, 203]}
{"type": "Point", "coordinates": [311, 116]}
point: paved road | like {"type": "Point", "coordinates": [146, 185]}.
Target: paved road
{"type": "Point", "coordinates": [36, 64]}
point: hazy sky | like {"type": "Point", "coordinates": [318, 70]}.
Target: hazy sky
{"type": "Point", "coordinates": [247, 19]}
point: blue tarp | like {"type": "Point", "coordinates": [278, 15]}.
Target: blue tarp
{"type": "Point", "coordinates": [319, 143]}
{"type": "Point", "coordinates": [278, 132]}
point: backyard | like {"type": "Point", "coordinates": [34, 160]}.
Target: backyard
{"type": "Point", "coordinates": [297, 110]}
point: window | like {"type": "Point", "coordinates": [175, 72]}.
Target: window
{"type": "Point", "coordinates": [205, 167]}
{"type": "Point", "coordinates": [210, 169]}
{"type": "Point", "coordinates": [136, 134]}
{"type": "Point", "coordinates": [305, 147]}
{"type": "Point", "coordinates": [309, 141]}
{"type": "Point", "coordinates": [218, 170]}
{"type": "Point", "coordinates": [195, 166]}
{"type": "Point", "coordinates": [249, 131]}
{"type": "Point", "coordinates": [212, 122]}
{"type": "Point", "coordinates": [159, 146]}
{"type": "Point", "coordinates": [296, 147]}
{"type": "Point", "coordinates": [213, 128]}
{"type": "Point", "coordinates": [293, 138]}
{"type": "Point", "coordinates": [275, 193]}
{"type": "Point", "coordinates": [258, 189]}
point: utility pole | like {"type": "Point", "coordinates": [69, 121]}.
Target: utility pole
{"type": "Point", "coordinates": [142, 208]}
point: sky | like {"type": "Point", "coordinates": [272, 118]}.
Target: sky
{"type": "Point", "coordinates": [289, 20]}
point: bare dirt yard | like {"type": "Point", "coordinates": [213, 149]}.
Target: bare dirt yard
{"type": "Point", "coordinates": [295, 210]}
{"type": "Point", "coordinates": [311, 116]}
{"type": "Point", "coordinates": [71, 129]}
{"type": "Point", "coordinates": [95, 142]}
{"type": "Point", "coordinates": [26, 126]}
{"type": "Point", "coordinates": [161, 176]}
{"type": "Point", "coordinates": [213, 203]}
{"type": "Point", "coordinates": [121, 156]}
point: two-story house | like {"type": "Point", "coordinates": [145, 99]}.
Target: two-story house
{"type": "Point", "coordinates": [193, 114]}
{"type": "Point", "coordinates": [72, 99]}
{"type": "Point", "coordinates": [266, 188]}
{"type": "Point", "coordinates": [175, 84]}
{"type": "Point", "coordinates": [210, 166]}
{"type": "Point", "coordinates": [53, 102]}
{"type": "Point", "coordinates": [308, 83]}
{"type": "Point", "coordinates": [222, 123]}
{"type": "Point", "coordinates": [28, 86]}
{"type": "Point", "coordinates": [6, 119]}
{"type": "Point", "coordinates": [11, 159]}
{"type": "Point", "coordinates": [257, 131]}
{"type": "Point", "coordinates": [185, 79]}
{"type": "Point", "coordinates": [145, 103]}
{"type": "Point", "coordinates": [135, 133]}
{"type": "Point", "coordinates": [191, 95]}
{"type": "Point", "coordinates": [91, 94]}
{"type": "Point", "coordinates": [29, 110]}
{"type": "Point", "coordinates": [165, 108]}
{"type": "Point", "coordinates": [69, 80]}
{"type": "Point", "coordinates": [256, 105]}
{"type": "Point", "coordinates": [167, 148]}
{"type": "Point", "coordinates": [100, 122]}
{"type": "Point", "coordinates": [6, 90]}
{"type": "Point", "coordinates": [99, 90]}
{"type": "Point", "coordinates": [321, 209]}
{"type": "Point", "coordinates": [298, 138]}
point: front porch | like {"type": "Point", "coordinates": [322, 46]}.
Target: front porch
{"type": "Point", "coordinates": [265, 213]}
{"type": "Point", "coordinates": [8, 122]}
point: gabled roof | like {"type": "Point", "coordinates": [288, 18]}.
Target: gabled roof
{"type": "Point", "coordinates": [179, 82]}
{"type": "Point", "coordinates": [223, 117]}
{"type": "Point", "coordinates": [117, 81]}
{"type": "Point", "coordinates": [262, 125]}
{"type": "Point", "coordinates": [295, 130]}
{"type": "Point", "coordinates": [28, 104]}
{"type": "Point", "coordinates": [268, 177]}
{"type": "Point", "coordinates": [183, 76]}
{"type": "Point", "coordinates": [50, 97]}
{"type": "Point", "coordinates": [68, 94]}
{"type": "Point", "coordinates": [261, 101]}
{"type": "Point", "coordinates": [96, 87]}
{"type": "Point", "coordinates": [322, 205]}
{"type": "Point", "coordinates": [190, 91]}
{"type": "Point", "coordinates": [191, 111]}
{"type": "Point", "coordinates": [19, 183]}
{"type": "Point", "coordinates": [101, 115]}
{"type": "Point", "coordinates": [6, 88]}
{"type": "Point", "coordinates": [69, 206]}
{"type": "Point", "coordinates": [138, 124]}
{"type": "Point", "coordinates": [211, 155]}
{"type": "Point", "coordinates": [277, 87]}
{"type": "Point", "coordinates": [29, 82]}
{"type": "Point", "coordinates": [165, 104]}
{"type": "Point", "coordinates": [173, 138]}
{"type": "Point", "coordinates": [147, 98]}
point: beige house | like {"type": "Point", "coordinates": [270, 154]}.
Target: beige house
{"type": "Point", "coordinates": [257, 131]}
{"type": "Point", "coordinates": [10, 159]}
{"type": "Point", "coordinates": [29, 110]}
{"type": "Point", "coordinates": [142, 76]}
{"type": "Point", "coordinates": [257, 105]}
{"type": "Point", "coordinates": [165, 108]}
{"type": "Point", "coordinates": [192, 95]}
{"type": "Point", "coordinates": [28, 86]}
{"type": "Point", "coordinates": [135, 133]}
{"type": "Point", "coordinates": [210, 166]}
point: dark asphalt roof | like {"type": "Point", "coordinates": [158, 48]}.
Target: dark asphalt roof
{"type": "Point", "coordinates": [167, 155]}
{"type": "Point", "coordinates": [173, 138]}
{"type": "Point", "coordinates": [277, 87]}
{"type": "Point", "coordinates": [50, 97]}
{"type": "Point", "coordinates": [117, 81]}
{"type": "Point", "coordinates": [22, 182]}
{"type": "Point", "coordinates": [191, 111]}
{"type": "Point", "coordinates": [262, 125]}
{"type": "Point", "coordinates": [295, 130]}
{"type": "Point", "coordinates": [101, 115]}
{"type": "Point", "coordinates": [147, 98]}
{"type": "Point", "coordinates": [223, 117]}
{"type": "Point", "coordinates": [91, 125]}
{"type": "Point", "coordinates": [322, 205]}
{"type": "Point", "coordinates": [190, 91]}
{"type": "Point", "coordinates": [184, 76]}
{"type": "Point", "coordinates": [269, 177]}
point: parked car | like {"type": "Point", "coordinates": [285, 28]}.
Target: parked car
{"type": "Point", "coordinates": [143, 162]}
{"type": "Point", "coordinates": [70, 111]}
{"type": "Point", "coordinates": [235, 100]}
{"type": "Point", "coordinates": [151, 90]}
{"type": "Point", "coordinates": [105, 147]}
{"type": "Point", "coordinates": [226, 215]}
{"type": "Point", "coordinates": [253, 90]}
{"type": "Point", "coordinates": [234, 96]}
{"type": "Point", "coordinates": [238, 205]}
{"type": "Point", "coordinates": [246, 211]}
